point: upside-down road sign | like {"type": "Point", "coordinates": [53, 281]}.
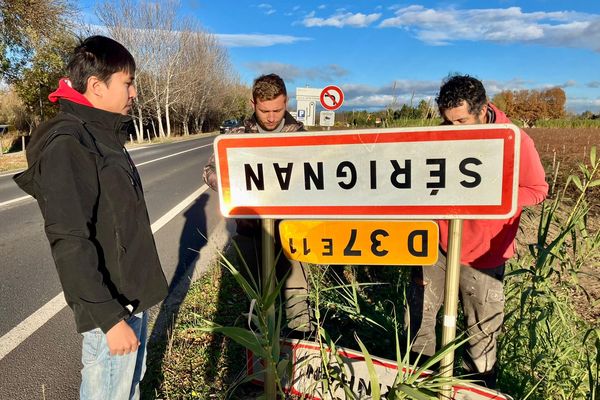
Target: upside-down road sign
{"type": "Point", "coordinates": [351, 242]}
{"type": "Point", "coordinates": [307, 376]}
{"type": "Point", "coordinates": [444, 172]}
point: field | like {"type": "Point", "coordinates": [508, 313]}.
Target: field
{"type": "Point", "coordinates": [561, 151]}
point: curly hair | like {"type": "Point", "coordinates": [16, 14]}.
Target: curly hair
{"type": "Point", "coordinates": [268, 87]}
{"type": "Point", "coordinates": [458, 88]}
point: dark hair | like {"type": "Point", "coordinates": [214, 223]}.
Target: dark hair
{"type": "Point", "coordinates": [268, 87]}
{"type": "Point", "coordinates": [98, 56]}
{"type": "Point", "coordinates": [458, 88]}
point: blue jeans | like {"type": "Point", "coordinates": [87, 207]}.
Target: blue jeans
{"type": "Point", "coordinates": [108, 377]}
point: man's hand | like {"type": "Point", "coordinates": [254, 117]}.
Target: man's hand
{"type": "Point", "coordinates": [121, 339]}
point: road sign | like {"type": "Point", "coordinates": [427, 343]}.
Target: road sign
{"type": "Point", "coordinates": [332, 98]}
{"type": "Point", "coordinates": [360, 242]}
{"type": "Point", "coordinates": [307, 374]}
{"type": "Point", "coordinates": [326, 118]}
{"type": "Point", "coordinates": [468, 172]}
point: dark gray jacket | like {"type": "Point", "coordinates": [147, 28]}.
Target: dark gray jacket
{"type": "Point", "coordinates": [248, 227]}
{"type": "Point", "coordinates": [95, 215]}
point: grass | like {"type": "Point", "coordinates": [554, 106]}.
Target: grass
{"type": "Point", "coordinates": [194, 365]}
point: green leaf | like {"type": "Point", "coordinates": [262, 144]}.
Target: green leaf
{"type": "Point", "coordinates": [577, 182]}
{"type": "Point", "coordinates": [414, 393]}
{"type": "Point", "coordinates": [375, 393]}
{"type": "Point", "coordinates": [593, 156]}
{"type": "Point", "coordinates": [242, 336]}
{"type": "Point", "coordinates": [595, 183]}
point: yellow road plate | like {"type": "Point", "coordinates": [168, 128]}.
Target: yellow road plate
{"type": "Point", "coordinates": [343, 242]}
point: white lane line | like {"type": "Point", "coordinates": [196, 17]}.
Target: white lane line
{"type": "Point", "coordinates": [5, 203]}
{"type": "Point", "coordinates": [172, 155]}
{"type": "Point", "coordinates": [31, 324]}
{"type": "Point", "coordinates": [162, 221]}
{"type": "Point", "coordinates": [35, 321]}
{"type": "Point", "coordinates": [12, 173]}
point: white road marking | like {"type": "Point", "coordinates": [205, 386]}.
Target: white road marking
{"type": "Point", "coordinates": [12, 173]}
{"type": "Point", "coordinates": [172, 155]}
{"type": "Point", "coordinates": [29, 325]}
{"type": "Point", "coordinates": [5, 203]}
{"type": "Point", "coordinates": [35, 321]}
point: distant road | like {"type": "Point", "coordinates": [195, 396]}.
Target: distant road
{"type": "Point", "coordinates": [39, 348]}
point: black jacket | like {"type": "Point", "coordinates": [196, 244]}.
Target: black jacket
{"type": "Point", "coordinates": [95, 216]}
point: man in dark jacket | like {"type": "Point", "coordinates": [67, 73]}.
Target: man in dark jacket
{"type": "Point", "coordinates": [95, 216]}
{"type": "Point", "coordinates": [269, 101]}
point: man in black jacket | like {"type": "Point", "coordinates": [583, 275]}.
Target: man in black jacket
{"type": "Point", "coordinates": [269, 101]}
{"type": "Point", "coordinates": [95, 216]}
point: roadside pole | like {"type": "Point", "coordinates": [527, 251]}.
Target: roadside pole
{"type": "Point", "coordinates": [268, 285]}
{"type": "Point", "coordinates": [451, 301]}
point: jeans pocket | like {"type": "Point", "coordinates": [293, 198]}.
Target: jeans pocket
{"type": "Point", "coordinates": [93, 342]}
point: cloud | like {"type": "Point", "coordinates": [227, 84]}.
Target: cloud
{"type": "Point", "coordinates": [593, 84]}
{"type": "Point", "coordinates": [393, 94]}
{"type": "Point", "coordinates": [256, 39]}
{"type": "Point", "coordinates": [322, 7]}
{"type": "Point", "coordinates": [292, 73]}
{"type": "Point", "coordinates": [581, 104]}
{"type": "Point", "coordinates": [444, 26]}
{"type": "Point", "coordinates": [267, 8]}
{"type": "Point", "coordinates": [568, 84]}
{"type": "Point", "coordinates": [341, 19]}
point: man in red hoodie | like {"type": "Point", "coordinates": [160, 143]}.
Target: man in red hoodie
{"type": "Point", "coordinates": [486, 245]}
{"type": "Point", "coordinates": [95, 217]}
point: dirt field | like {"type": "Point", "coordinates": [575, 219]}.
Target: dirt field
{"type": "Point", "coordinates": [563, 150]}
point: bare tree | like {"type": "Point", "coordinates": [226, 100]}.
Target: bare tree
{"type": "Point", "coordinates": [183, 72]}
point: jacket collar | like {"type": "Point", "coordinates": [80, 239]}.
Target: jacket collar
{"type": "Point", "coordinates": [251, 124]}
{"type": "Point", "coordinates": [105, 125]}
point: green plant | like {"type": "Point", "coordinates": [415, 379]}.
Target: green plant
{"type": "Point", "coordinates": [542, 347]}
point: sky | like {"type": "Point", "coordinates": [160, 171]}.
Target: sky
{"type": "Point", "coordinates": [384, 53]}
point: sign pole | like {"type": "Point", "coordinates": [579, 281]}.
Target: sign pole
{"type": "Point", "coordinates": [451, 300]}
{"type": "Point", "coordinates": [268, 285]}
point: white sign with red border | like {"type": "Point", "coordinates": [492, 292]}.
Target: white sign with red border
{"type": "Point", "coordinates": [332, 97]}
{"type": "Point", "coordinates": [444, 172]}
{"type": "Point", "coordinates": [307, 374]}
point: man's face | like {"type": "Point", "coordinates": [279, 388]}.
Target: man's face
{"type": "Point", "coordinates": [461, 116]}
{"type": "Point", "coordinates": [117, 93]}
{"type": "Point", "coordinates": [269, 113]}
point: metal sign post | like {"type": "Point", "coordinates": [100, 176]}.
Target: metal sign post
{"type": "Point", "coordinates": [268, 285]}
{"type": "Point", "coordinates": [451, 300]}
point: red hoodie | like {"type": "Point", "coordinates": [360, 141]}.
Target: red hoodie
{"type": "Point", "coordinates": [66, 92]}
{"type": "Point", "coordinates": [489, 243]}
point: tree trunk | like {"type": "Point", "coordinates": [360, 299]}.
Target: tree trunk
{"type": "Point", "coordinates": [140, 128]}
{"type": "Point", "coordinates": [167, 113]}
{"type": "Point", "coordinates": [161, 130]}
{"type": "Point", "coordinates": [153, 129]}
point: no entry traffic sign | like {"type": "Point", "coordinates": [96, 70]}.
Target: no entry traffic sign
{"type": "Point", "coordinates": [446, 172]}
{"type": "Point", "coordinates": [332, 98]}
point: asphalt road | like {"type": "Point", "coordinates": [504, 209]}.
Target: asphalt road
{"type": "Point", "coordinates": [46, 364]}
